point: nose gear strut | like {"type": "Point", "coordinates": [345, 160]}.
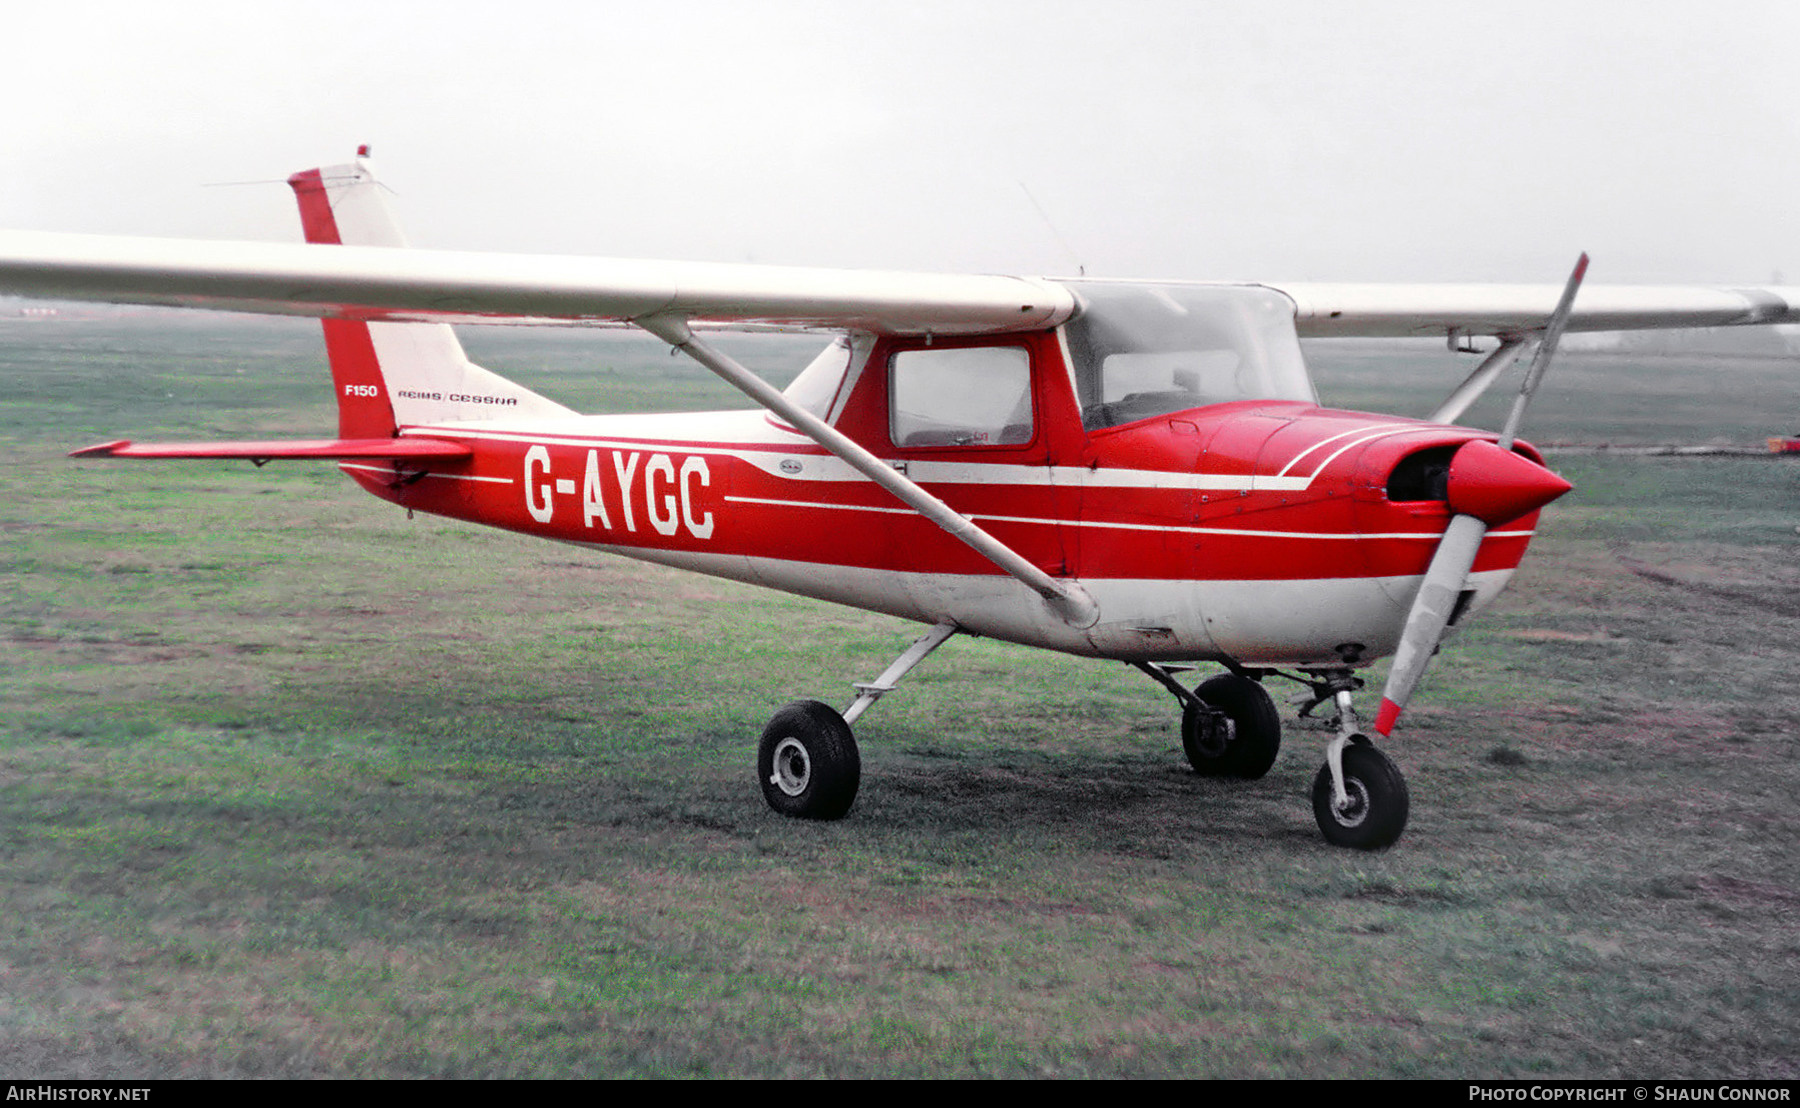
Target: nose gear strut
{"type": "Point", "coordinates": [1359, 796]}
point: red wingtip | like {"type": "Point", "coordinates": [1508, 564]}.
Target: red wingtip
{"type": "Point", "coordinates": [1387, 717]}
{"type": "Point", "coordinates": [100, 450]}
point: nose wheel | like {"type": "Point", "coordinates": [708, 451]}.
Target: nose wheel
{"type": "Point", "coordinates": [1373, 811]}
{"type": "Point", "coordinates": [1359, 797]}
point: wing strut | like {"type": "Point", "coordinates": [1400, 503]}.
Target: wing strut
{"type": "Point", "coordinates": [1477, 382]}
{"type": "Point", "coordinates": [1067, 598]}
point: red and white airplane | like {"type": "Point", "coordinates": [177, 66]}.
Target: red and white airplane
{"type": "Point", "coordinates": [1131, 470]}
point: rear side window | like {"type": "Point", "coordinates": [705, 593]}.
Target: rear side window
{"type": "Point", "coordinates": [970, 396]}
{"type": "Point", "coordinates": [823, 385]}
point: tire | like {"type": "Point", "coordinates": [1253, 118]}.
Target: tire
{"type": "Point", "coordinates": [1378, 801]}
{"type": "Point", "coordinates": [1256, 723]}
{"type": "Point", "coordinates": [807, 762]}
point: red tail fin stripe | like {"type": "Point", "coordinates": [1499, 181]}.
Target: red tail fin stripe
{"type": "Point", "coordinates": [364, 409]}
{"type": "Point", "coordinates": [316, 219]}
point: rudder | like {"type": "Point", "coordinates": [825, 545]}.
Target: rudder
{"type": "Point", "coordinates": [392, 375]}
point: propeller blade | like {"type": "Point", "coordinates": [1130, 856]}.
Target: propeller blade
{"type": "Point", "coordinates": [1489, 485]}
{"type": "Point", "coordinates": [1553, 329]}
{"type": "Point", "coordinates": [1430, 614]}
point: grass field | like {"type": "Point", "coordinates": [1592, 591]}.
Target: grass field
{"type": "Point", "coordinates": [291, 785]}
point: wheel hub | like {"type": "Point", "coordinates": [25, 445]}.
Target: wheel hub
{"type": "Point", "coordinates": [793, 767]}
{"type": "Point", "coordinates": [1356, 808]}
{"type": "Point", "coordinates": [1214, 734]}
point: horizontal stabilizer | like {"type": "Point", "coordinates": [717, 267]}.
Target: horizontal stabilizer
{"type": "Point", "coordinates": [281, 448]}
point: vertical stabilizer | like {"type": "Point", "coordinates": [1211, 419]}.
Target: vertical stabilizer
{"type": "Point", "coordinates": [390, 375]}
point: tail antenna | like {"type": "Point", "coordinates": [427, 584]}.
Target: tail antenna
{"type": "Point", "coordinates": [363, 152]}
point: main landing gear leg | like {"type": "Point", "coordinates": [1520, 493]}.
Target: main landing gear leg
{"type": "Point", "coordinates": [807, 761]}
{"type": "Point", "coordinates": [1359, 796]}
{"type": "Point", "coordinates": [1229, 725]}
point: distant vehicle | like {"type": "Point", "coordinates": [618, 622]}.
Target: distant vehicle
{"type": "Point", "coordinates": [1132, 470]}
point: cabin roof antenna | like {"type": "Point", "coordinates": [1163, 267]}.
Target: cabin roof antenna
{"type": "Point", "coordinates": [1080, 270]}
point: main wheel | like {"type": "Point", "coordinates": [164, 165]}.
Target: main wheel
{"type": "Point", "coordinates": [1255, 723]}
{"type": "Point", "coordinates": [1378, 804]}
{"type": "Point", "coordinates": [807, 762]}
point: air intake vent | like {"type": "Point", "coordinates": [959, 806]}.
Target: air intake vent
{"type": "Point", "coordinates": [1422, 476]}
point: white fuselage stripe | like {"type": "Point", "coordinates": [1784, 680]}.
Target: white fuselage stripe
{"type": "Point", "coordinates": [818, 504]}
{"type": "Point", "coordinates": [1369, 434]}
{"type": "Point", "coordinates": [1158, 527]}
{"type": "Point", "coordinates": [827, 468]}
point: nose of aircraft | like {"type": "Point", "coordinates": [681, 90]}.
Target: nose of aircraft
{"type": "Point", "coordinates": [1497, 486]}
{"type": "Point", "coordinates": [1487, 486]}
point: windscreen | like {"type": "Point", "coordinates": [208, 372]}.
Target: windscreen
{"type": "Point", "coordinates": [1143, 350]}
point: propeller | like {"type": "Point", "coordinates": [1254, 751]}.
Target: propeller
{"type": "Point", "coordinates": [1489, 485]}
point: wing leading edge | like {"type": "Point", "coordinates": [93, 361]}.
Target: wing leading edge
{"type": "Point", "coordinates": [382, 283]}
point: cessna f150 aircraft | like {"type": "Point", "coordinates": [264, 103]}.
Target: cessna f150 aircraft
{"type": "Point", "coordinates": [1131, 470]}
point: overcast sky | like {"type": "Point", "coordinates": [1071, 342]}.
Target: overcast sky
{"type": "Point", "coordinates": [1267, 140]}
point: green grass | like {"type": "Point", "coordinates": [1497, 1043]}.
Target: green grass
{"type": "Point", "coordinates": [291, 785]}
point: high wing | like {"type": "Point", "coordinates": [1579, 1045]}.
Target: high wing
{"type": "Point", "coordinates": [383, 283]}
{"type": "Point", "coordinates": [1334, 310]}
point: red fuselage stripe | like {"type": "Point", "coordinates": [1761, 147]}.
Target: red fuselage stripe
{"type": "Point", "coordinates": [685, 497]}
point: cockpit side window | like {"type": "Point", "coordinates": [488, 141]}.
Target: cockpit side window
{"type": "Point", "coordinates": [1147, 350]}
{"type": "Point", "coordinates": [968, 396]}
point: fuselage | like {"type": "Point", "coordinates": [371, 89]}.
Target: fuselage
{"type": "Point", "coordinates": [1264, 531]}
